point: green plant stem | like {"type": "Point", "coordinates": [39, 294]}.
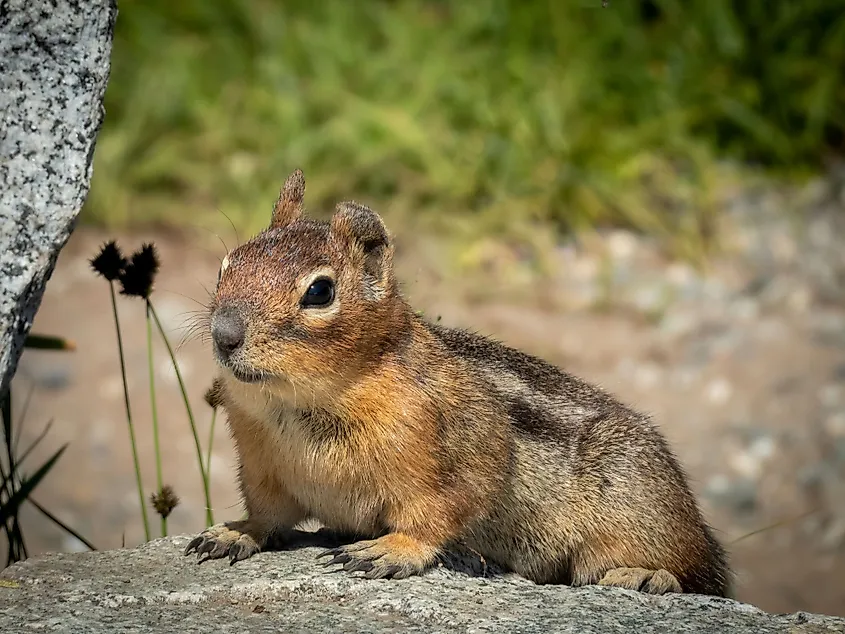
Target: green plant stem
{"type": "Point", "coordinates": [209, 515]}
{"type": "Point", "coordinates": [137, 463]}
{"type": "Point", "coordinates": [210, 443]}
{"type": "Point", "coordinates": [154, 410]}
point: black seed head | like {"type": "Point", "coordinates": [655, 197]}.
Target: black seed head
{"type": "Point", "coordinates": [109, 262]}
{"type": "Point", "coordinates": [139, 274]}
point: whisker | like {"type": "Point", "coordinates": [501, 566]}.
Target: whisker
{"type": "Point", "coordinates": [196, 301]}
{"type": "Point", "coordinates": [195, 324]}
{"type": "Point", "coordinates": [217, 235]}
{"type": "Point", "coordinates": [234, 228]}
{"type": "Point", "coordinates": [194, 319]}
{"type": "Point", "coordinates": [209, 252]}
{"type": "Point", "coordinates": [205, 288]}
{"type": "Point", "coordinates": [195, 315]}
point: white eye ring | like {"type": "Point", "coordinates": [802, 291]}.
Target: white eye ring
{"type": "Point", "coordinates": [223, 266]}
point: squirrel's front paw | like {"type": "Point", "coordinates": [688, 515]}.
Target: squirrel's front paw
{"type": "Point", "coordinates": [230, 539]}
{"type": "Point", "coordinates": [648, 581]}
{"type": "Point", "coordinates": [394, 556]}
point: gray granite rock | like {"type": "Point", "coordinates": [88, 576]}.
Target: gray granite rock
{"type": "Point", "coordinates": [154, 588]}
{"type": "Point", "coordinates": [54, 66]}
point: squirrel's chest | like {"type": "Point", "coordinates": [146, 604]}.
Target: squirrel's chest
{"type": "Point", "coordinates": [337, 473]}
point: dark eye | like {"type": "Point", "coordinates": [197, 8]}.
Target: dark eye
{"type": "Point", "coordinates": [319, 294]}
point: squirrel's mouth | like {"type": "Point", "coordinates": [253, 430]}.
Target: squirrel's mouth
{"type": "Point", "coordinates": [247, 376]}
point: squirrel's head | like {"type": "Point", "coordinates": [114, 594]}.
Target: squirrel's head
{"type": "Point", "coordinates": [306, 305]}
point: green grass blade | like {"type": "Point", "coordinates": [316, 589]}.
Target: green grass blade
{"type": "Point", "coordinates": [47, 342]}
{"type": "Point", "coordinates": [154, 410]}
{"type": "Point", "coordinates": [22, 420]}
{"type": "Point", "coordinates": [10, 507]}
{"type": "Point", "coordinates": [25, 454]}
{"type": "Point", "coordinates": [61, 524]}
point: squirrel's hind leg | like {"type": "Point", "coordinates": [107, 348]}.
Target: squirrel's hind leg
{"type": "Point", "coordinates": [649, 581]}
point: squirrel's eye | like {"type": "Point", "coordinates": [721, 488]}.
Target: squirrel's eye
{"type": "Point", "coordinates": [319, 294]}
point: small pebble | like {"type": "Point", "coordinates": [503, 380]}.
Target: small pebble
{"type": "Point", "coordinates": [739, 495]}
{"type": "Point", "coordinates": [719, 391]}
{"type": "Point", "coordinates": [830, 396]}
{"type": "Point", "coordinates": [835, 424]}
{"type": "Point", "coordinates": [111, 387]}
{"type": "Point", "coordinates": [622, 244]}
{"type": "Point", "coordinates": [71, 544]}
{"type": "Point", "coordinates": [834, 536]}
{"type": "Point", "coordinates": [678, 323]}
{"type": "Point", "coordinates": [648, 375]}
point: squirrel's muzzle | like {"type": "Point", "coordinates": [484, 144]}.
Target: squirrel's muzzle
{"type": "Point", "coordinates": [228, 331]}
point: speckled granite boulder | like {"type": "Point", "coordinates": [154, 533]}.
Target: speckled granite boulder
{"type": "Point", "coordinates": [54, 66]}
{"type": "Point", "coordinates": [154, 588]}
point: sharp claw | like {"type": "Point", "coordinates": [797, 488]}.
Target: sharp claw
{"type": "Point", "coordinates": [333, 571]}
{"type": "Point", "coordinates": [220, 550]}
{"type": "Point", "coordinates": [330, 551]}
{"type": "Point", "coordinates": [196, 541]}
{"type": "Point", "coordinates": [206, 547]}
{"type": "Point", "coordinates": [239, 552]}
{"type": "Point", "coordinates": [342, 558]}
{"type": "Point", "coordinates": [358, 564]}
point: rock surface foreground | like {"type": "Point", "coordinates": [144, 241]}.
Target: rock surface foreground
{"type": "Point", "coordinates": [154, 588]}
{"type": "Point", "coordinates": [54, 67]}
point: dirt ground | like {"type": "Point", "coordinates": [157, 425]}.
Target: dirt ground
{"type": "Point", "coordinates": [745, 390]}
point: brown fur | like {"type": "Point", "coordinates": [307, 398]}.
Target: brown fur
{"type": "Point", "coordinates": [367, 418]}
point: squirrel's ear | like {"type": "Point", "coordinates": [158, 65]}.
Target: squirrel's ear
{"type": "Point", "coordinates": [289, 205]}
{"type": "Point", "coordinates": [362, 231]}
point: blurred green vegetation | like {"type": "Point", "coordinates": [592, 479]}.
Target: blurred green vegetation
{"type": "Point", "coordinates": [498, 112]}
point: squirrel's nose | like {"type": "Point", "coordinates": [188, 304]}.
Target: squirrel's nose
{"type": "Point", "coordinates": [228, 332]}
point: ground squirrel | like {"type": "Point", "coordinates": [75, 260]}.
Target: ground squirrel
{"type": "Point", "coordinates": [347, 407]}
